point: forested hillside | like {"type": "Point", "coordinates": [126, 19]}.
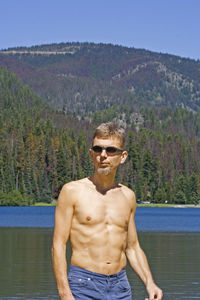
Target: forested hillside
{"type": "Point", "coordinates": [85, 77]}
{"type": "Point", "coordinates": [41, 148]}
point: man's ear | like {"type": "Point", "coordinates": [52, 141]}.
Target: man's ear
{"type": "Point", "coordinates": [91, 154]}
{"type": "Point", "coordinates": [124, 157]}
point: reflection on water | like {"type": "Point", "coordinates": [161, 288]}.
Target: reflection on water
{"type": "Point", "coordinates": [26, 269]}
{"type": "Point", "coordinates": [174, 260]}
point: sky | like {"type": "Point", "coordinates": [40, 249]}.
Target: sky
{"type": "Point", "coordinates": [166, 26]}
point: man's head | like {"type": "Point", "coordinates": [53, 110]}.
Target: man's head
{"type": "Point", "coordinates": [107, 151]}
{"type": "Point", "coordinates": [110, 130]}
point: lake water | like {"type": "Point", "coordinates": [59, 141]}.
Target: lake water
{"type": "Point", "coordinates": [169, 236]}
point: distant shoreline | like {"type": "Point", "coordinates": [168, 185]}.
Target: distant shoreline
{"type": "Point", "coordinates": [54, 203]}
{"type": "Point", "coordinates": [170, 205]}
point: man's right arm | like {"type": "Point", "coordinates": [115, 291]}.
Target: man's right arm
{"type": "Point", "coordinates": [63, 219]}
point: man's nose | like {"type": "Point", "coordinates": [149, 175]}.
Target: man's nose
{"type": "Point", "coordinates": [103, 153]}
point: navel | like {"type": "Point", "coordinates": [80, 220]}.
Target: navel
{"type": "Point", "coordinates": [88, 218]}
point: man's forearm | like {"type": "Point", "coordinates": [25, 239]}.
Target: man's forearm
{"type": "Point", "coordinates": [139, 263]}
{"type": "Point", "coordinates": [60, 271]}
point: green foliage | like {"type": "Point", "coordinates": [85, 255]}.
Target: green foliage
{"type": "Point", "coordinates": [15, 198]}
{"type": "Point", "coordinates": [180, 198]}
{"type": "Point", "coordinates": [41, 149]}
{"type": "Point", "coordinates": [160, 196]}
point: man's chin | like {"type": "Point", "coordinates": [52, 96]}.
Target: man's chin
{"type": "Point", "coordinates": [103, 171]}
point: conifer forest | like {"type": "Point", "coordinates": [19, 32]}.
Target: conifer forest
{"type": "Point", "coordinates": [52, 97]}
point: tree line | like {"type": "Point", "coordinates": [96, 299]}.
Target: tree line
{"type": "Point", "coordinates": [41, 149]}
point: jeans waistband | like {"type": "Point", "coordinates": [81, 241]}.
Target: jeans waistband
{"type": "Point", "coordinates": [77, 270]}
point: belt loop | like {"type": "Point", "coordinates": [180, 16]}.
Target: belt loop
{"type": "Point", "coordinates": [92, 276]}
{"type": "Point", "coordinates": [119, 275]}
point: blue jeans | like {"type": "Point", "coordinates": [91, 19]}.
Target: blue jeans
{"type": "Point", "coordinates": [87, 285]}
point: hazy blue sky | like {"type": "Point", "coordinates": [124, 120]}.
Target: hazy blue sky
{"type": "Point", "coordinates": [167, 26]}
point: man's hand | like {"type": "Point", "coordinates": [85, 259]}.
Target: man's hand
{"type": "Point", "coordinates": [66, 296]}
{"type": "Point", "coordinates": [154, 292]}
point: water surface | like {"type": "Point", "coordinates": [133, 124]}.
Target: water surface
{"type": "Point", "coordinates": [147, 218]}
{"type": "Point", "coordinates": [169, 237]}
{"type": "Point", "coordinates": [26, 269]}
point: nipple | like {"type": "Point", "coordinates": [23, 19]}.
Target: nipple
{"type": "Point", "coordinates": [88, 218]}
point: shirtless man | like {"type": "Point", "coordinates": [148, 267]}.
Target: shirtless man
{"type": "Point", "coordinates": [98, 215]}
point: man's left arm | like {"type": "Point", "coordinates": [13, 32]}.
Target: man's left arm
{"type": "Point", "coordinates": [138, 260]}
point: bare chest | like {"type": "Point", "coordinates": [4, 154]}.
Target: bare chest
{"type": "Point", "coordinates": [94, 209]}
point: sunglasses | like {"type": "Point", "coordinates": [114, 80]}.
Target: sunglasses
{"type": "Point", "coordinates": [109, 149]}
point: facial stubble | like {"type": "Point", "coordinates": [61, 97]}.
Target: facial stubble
{"type": "Point", "coordinates": [104, 171]}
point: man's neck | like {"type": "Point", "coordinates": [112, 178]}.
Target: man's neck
{"type": "Point", "coordinates": [103, 182]}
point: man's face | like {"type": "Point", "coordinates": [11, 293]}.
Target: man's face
{"type": "Point", "coordinates": [105, 162]}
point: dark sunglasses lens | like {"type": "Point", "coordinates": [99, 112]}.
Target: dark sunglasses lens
{"type": "Point", "coordinates": [97, 149]}
{"type": "Point", "coordinates": [111, 150]}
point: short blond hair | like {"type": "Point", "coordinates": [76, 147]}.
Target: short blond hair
{"type": "Point", "coordinates": [110, 129]}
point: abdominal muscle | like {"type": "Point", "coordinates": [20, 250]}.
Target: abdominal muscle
{"type": "Point", "coordinates": [98, 249]}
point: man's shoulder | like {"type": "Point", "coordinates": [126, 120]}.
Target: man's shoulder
{"type": "Point", "coordinates": [129, 193]}
{"type": "Point", "coordinates": [74, 186]}
{"type": "Point", "coordinates": [127, 190]}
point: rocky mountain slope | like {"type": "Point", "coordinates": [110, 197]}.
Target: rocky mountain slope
{"type": "Point", "coordinates": [84, 78]}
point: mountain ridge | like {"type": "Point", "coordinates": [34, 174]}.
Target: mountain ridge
{"type": "Point", "coordinates": [87, 77]}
